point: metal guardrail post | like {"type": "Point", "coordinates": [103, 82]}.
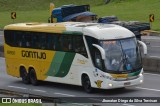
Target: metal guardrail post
{"type": "Point", "coordinates": [151, 64]}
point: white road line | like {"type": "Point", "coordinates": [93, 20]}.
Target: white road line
{"type": "Point", "coordinates": [17, 87]}
{"type": "Point", "coordinates": [38, 90]}
{"type": "Point", "coordinates": [64, 94]}
{"type": "Point", "coordinates": [148, 89]}
{"type": "Point", "coordinates": [152, 74]}
{"type": "Point", "coordinates": [128, 105]}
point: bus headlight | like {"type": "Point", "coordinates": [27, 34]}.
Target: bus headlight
{"type": "Point", "coordinates": [141, 81]}
{"type": "Point", "coordinates": [140, 74]}
{"type": "Point", "coordinates": [110, 85]}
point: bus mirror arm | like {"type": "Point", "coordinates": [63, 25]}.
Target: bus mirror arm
{"type": "Point", "coordinates": [101, 50]}
{"type": "Point", "coordinates": [144, 47]}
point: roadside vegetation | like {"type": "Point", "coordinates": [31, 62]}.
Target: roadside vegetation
{"type": "Point", "coordinates": [38, 10]}
{"type": "Point", "coordinates": [16, 104]}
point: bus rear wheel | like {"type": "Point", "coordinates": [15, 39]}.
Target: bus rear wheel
{"type": "Point", "coordinates": [33, 77]}
{"type": "Point", "coordinates": [24, 75]}
{"type": "Point", "coordinates": [87, 84]}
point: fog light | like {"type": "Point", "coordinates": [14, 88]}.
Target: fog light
{"type": "Point", "coordinates": [140, 74]}
{"type": "Point", "coordinates": [141, 81]}
{"type": "Point", "coordinates": [110, 85]}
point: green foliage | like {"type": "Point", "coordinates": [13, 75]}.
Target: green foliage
{"type": "Point", "coordinates": [16, 104]}
{"type": "Point", "coordinates": [38, 10]}
{"type": "Point", "coordinates": [27, 5]}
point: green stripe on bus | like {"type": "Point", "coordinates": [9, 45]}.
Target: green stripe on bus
{"type": "Point", "coordinates": [60, 64]}
{"type": "Point", "coordinates": [72, 32]}
{"type": "Point", "coordinates": [56, 63]}
{"type": "Point", "coordinates": [134, 74]}
{"type": "Point", "coordinates": [66, 64]}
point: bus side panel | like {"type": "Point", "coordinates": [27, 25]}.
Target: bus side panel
{"type": "Point", "coordinates": [11, 61]}
{"type": "Point", "coordinates": [45, 65]}
{"type": "Point", "coordinates": [25, 57]}
{"type": "Point", "coordinates": [11, 67]}
{"type": "Point", "coordinates": [79, 64]}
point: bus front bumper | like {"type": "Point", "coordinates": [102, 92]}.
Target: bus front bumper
{"type": "Point", "coordinates": [111, 84]}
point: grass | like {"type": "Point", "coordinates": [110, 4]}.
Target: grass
{"type": "Point", "coordinates": [38, 10]}
{"type": "Point", "coordinates": [16, 104]}
{"type": "Point", "coordinates": [132, 10]}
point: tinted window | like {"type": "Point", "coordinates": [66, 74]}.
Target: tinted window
{"type": "Point", "coordinates": [46, 41]}
{"type": "Point", "coordinates": [9, 37]}
{"type": "Point", "coordinates": [79, 46]}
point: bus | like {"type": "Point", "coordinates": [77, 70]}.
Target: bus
{"type": "Point", "coordinates": [90, 55]}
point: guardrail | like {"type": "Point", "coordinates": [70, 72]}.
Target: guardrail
{"type": "Point", "coordinates": [1, 51]}
{"type": "Point", "coordinates": [150, 33]}
{"type": "Point", "coordinates": [151, 64]}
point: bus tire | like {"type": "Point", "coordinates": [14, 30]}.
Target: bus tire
{"type": "Point", "coordinates": [86, 84]}
{"type": "Point", "coordinates": [24, 75]}
{"type": "Point", "coordinates": [33, 77]}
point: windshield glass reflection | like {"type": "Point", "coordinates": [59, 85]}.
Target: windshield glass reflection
{"type": "Point", "coordinates": [122, 55]}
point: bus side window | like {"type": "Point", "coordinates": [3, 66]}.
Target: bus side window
{"type": "Point", "coordinates": [28, 39]}
{"type": "Point", "coordinates": [21, 41]}
{"type": "Point", "coordinates": [67, 43]}
{"type": "Point", "coordinates": [18, 42]}
{"type": "Point", "coordinates": [97, 59]}
{"type": "Point", "coordinates": [79, 46]}
{"type": "Point", "coordinates": [35, 41]}
{"type": "Point", "coordinates": [59, 42]}
{"type": "Point", "coordinates": [43, 41]}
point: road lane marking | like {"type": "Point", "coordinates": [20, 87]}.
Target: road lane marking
{"type": "Point", "coordinates": [17, 87]}
{"type": "Point", "coordinates": [152, 74]}
{"type": "Point", "coordinates": [128, 105]}
{"type": "Point", "coordinates": [64, 94]}
{"type": "Point", "coordinates": [38, 90]}
{"type": "Point", "coordinates": [148, 89]}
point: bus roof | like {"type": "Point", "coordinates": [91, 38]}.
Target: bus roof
{"type": "Point", "coordinates": [99, 31]}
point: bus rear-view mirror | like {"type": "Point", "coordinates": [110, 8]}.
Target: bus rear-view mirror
{"type": "Point", "coordinates": [102, 51]}
{"type": "Point", "coordinates": [144, 46]}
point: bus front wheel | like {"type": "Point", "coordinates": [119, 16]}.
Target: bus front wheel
{"type": "Point", "coordinates": [87, 84]}
{"type": "Point", "coordinates": [24, 75]}
{"type": "Point", "coordinates": [33, 77]}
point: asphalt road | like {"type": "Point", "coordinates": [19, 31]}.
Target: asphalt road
{"type": "Point", "coordinates": [150, 88]}
{"type": "Point", "coordinates": [153, 44]}
{"type": "Point", "coordinates": [1, 40]}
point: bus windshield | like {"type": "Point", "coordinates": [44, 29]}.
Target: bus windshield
{"type": "Point", "coordinates": [122, 55]}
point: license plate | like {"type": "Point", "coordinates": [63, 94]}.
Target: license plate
{"type": "Point", "coordinates": [127, 83]}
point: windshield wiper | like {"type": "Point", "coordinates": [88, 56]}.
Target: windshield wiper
{"type": "Point", "coordinates": [127, 62]}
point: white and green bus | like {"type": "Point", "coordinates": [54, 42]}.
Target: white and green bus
{"type": "Point", "coordinates": [91, 55]}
